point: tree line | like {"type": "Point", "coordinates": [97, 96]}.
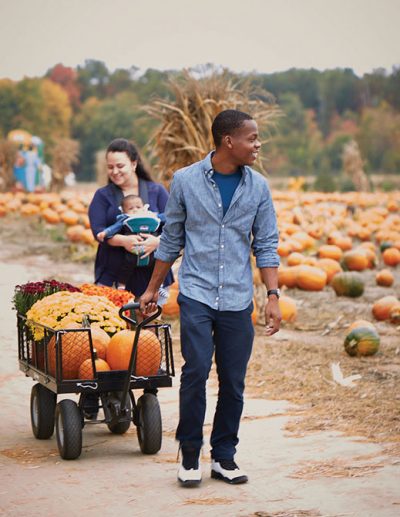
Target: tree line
{"type": "Point", "coordinates": [320, 112]}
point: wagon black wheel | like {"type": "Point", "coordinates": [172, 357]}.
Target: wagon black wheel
{"type": "Point", "coordinates": [149, 427]}
{"type": "Point", "coordinates": [68, 429]}
{"type": "Point", "coordinates": [120, 427]}
{"type": "Point", "coordinates": [43, 405]}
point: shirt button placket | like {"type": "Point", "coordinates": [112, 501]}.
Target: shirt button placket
{"type": "Point", "coordinates": [221, 264]}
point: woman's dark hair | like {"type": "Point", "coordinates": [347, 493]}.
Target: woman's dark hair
{"type": "Point", "coordinates": [226, 122]}
{"type": "Point", "coordinates": [121, 145]}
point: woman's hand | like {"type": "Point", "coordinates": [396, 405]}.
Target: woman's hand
{"type": "Point", "coordinates": [130, 241]}
{"type": "Point", "coordinates": [149, 244]}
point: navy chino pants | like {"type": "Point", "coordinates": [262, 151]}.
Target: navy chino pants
{"type": "Point", "coordinates": [228, 334]}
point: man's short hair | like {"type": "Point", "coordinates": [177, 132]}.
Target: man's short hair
{"type": "Point", "coordinates": [226, 123]}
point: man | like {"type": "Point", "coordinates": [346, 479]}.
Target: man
{"type": "Point", "coordinates": [219, 209]}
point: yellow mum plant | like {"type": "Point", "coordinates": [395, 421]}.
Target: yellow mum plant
{"type": "Point", "coordinates": [62, 309]}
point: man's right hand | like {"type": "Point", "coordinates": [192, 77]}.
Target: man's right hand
{"type": "Point", "coordinates": [148, 301]}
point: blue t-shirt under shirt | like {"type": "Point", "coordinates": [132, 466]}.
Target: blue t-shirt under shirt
{"type": "Point", "coordinates": [227, 184]}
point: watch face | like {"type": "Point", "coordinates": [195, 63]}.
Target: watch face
{"type": "Point", "coordinates": [274, 291]}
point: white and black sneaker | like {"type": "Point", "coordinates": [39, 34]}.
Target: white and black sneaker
{"type": "Point", "coordinates": [189, 473]}
{"type": "Point", "coordinates": [228, 471]}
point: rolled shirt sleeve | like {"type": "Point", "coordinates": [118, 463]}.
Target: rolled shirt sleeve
{"type": "Point", "coordinates": [172, 239]}
{"type": "Point", "coordinates": [265, 232]}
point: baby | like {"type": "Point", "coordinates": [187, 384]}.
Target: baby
{"type": "Point", "coordinates": [130, 205]}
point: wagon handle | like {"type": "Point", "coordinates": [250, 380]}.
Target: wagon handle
{"type": "Point", "coordinates": [133, 306]}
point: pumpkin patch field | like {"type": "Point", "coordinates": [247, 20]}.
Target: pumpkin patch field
{"type": "Point", "coordinates": [340, 283]}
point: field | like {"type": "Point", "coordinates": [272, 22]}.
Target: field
{"type": "Point", "coordinates": [295, 365]}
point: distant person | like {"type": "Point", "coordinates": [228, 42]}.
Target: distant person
{"type": "Point", "coordinates": [32, 163]}
{"type": "Point", "coordinates": [219, 210]}
{"type": "Point", "coordinates": [19, 170]}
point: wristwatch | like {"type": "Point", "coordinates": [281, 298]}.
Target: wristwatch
{"type": "Point", "coordinates": [276, 292]}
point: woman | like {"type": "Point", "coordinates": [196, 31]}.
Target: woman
{"type": "Point", "coordinates": [127, 175]}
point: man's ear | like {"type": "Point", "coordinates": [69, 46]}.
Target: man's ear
{"type": "Point", "coordinates": [228, 141]}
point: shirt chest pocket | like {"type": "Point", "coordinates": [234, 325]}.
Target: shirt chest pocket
{"type": "Point", "coordinates": [198, 216]}
{"type": "Point", "coordinates": [243, 215]}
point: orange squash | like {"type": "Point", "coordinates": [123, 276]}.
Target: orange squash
{"type": "Point", "coordinates": [382, 307]}
{"type": "Point", "coordinates": [395, 314]}
{"type": "Point", "coordinates": [148, 357]}
{"type": "Point", "coordinates": [362, 341]}
{"type": "Point", "coordinates": [295, 258]}
{"type": "Point", "coordinates": [171, 308]}
{"type": "Point", "coordinates": [384, 278]}
{"type": "Point", "coordinates": [50, 216]}
{"type": "Point", "coordinates": [288, 308]}
{"type": "Point", "coordinates": [287, 276]}
{"type": "Point", "coordinates": [311, 278]}
{"type": "Point", "coordinates": [75, 232]}
{"type": "Point", "coordinates": [284, 249]}
{"type": "Point", "coordinates": [69, 217]}
{"type": "Point", "coordinates": [86, 368]}
{"type": "Point", "coordinates": [330, 251]}
{"type": "Point", "coordinates": [391, 257]}
{"type": "Point", "coordinates": [330, 266]}
{"type": "Point", "coordinates": [29, 209]}
{"type": "Point", "coordinates": [355, 260]}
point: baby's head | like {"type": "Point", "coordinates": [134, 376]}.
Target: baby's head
{"type": "Point", "coordinates": [131, 204]}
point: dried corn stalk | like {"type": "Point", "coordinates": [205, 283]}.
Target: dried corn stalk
{"type": "Point", "coordinates": [65, 155]}
{"type": "Point", "coordinates": [184, 133]}
{"type": "Point", "coordinates": [8, 154]}
{"type": "Point", "coordinates": [353, 165]}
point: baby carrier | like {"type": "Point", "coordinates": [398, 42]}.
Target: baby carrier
{"type": "Point", "coordinates": [142, 223]}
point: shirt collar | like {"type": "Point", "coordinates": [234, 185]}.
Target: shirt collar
{"type": "Point", "coordinates": [209, 171]}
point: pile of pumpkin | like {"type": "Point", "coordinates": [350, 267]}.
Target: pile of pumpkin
{"type": "Point", "coordinates": [80, 314]}
{"type": "Point", "coordinates": [69, 209]}
{"type": "Point", "coordinates": [110, 353]}
{"type": "Point", "coordinates": [323, 243]}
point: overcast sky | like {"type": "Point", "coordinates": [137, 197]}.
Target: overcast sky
{"type": "Point", "coordinates": [243, 35]}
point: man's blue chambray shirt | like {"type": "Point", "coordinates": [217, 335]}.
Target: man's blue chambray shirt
{"type": "Point", "coordinates": [216, 268]}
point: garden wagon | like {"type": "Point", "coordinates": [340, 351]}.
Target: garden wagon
{"type": "Point", "coordinates": [45, 361]}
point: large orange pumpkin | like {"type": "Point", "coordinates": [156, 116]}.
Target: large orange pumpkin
{"type": "Point", "coordinates": [100, 340]}
{"type": "Point", "coordinates": [75, 348]}
{"type": "Point", "coordinates": [310, 278]}
{"type": "Point", "coordinates": [355, 260]}
{"type": "Point", "coordinates": [382, 307]}
{"type": "Point", "coordinates": [148, 357]}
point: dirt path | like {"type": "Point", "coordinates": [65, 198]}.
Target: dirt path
{"type": "Point", "coordinates": [318, 474]}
